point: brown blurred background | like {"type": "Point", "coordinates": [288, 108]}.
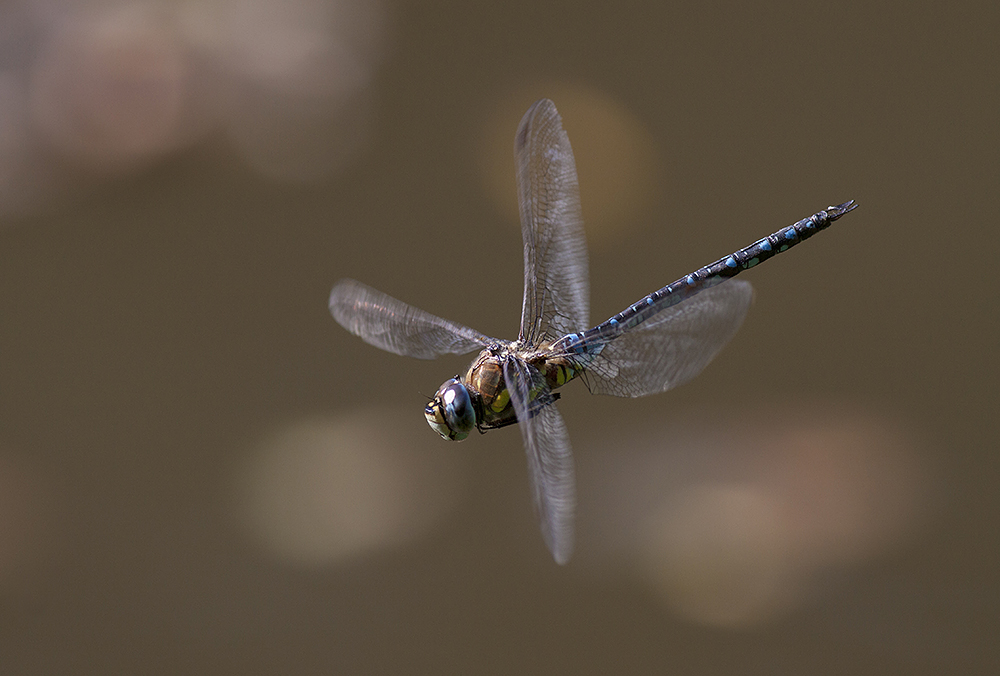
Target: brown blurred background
{"type": "Point", "coordinates": [202, 473]}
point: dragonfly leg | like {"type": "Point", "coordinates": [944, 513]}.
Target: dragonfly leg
{"type": "Point", "coordinates": [536, 406]}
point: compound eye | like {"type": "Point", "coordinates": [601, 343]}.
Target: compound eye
{"type": "Point", "coordinates": [458, 412]}
{"type": "Point", "coordinates": [451, 413]}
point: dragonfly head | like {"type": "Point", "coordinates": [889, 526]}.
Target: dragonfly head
{"type": "Point", "coordinates": [450, 412]}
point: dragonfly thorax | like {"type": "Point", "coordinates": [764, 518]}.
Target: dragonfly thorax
{"type": "Point", "coordinates": [451, 413]}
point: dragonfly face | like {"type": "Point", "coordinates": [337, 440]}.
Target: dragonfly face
{"type": "Point", "coordinates": [450, 413]}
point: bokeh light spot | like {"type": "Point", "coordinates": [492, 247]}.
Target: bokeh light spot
{"type": "Point", "coordinates": [719, 554]}
{"type": "Point", "coordinates": [326, 489]}
{"type": "Point", "coordinates": [616, 159]}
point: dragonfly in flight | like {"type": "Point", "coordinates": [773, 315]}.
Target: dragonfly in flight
{"type": "Point", "coordinates": [657, 343]}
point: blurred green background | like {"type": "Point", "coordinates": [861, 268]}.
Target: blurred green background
{"type": "Point", "coordinates": [202, 473]}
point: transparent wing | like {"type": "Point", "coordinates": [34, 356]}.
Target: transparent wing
{"type": "Point", "coordinates": [556, 292]}
{"type": "Point", "coordinates": [392, 325]}
{"type": "Point", "coordinates": [550, 459]}
{"type": "Point", "coordinates": [671, 347]}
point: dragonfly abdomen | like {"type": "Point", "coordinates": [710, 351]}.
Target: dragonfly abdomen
{"type": "Point", "coordinates": [592, 340]}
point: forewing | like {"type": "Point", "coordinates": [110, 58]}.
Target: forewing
{"type": "Point", "coordinates": [392, 325]}
{"type": "Point", "coordinates": [556, 292]}
{"type": "Point", "coordinates": [671, 347]}
{"type": "Point", "coordinates": [550, 459]}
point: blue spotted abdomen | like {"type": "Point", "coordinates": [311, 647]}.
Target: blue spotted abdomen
{"type": "Point", "coordinates": [592, 341]}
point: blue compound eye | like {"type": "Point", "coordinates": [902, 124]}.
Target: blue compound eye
{"type": "Point", "coordinates": [450, 413]}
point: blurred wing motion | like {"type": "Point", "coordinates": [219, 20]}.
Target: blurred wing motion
{"type": "Point", "coordinates": [394, 326]}
{"type": "Point", "coordinates": [556, 291]}
{"type": "Point", "coordinates": [550, 460]}
{"type": "Point", "coordinates": [671, 347]}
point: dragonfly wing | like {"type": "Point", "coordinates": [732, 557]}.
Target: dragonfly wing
{"type": "Point", "coordinates": [672, 347]}
{"type": "Point", "coordinates": [556, 291]}
{"type": "Point", "coordinates": [550, 459]}
{"type": "Point", "coordinates": [394, 326]}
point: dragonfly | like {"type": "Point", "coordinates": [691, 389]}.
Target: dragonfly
{"type": "Point", "coordinates": [659, 342]}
